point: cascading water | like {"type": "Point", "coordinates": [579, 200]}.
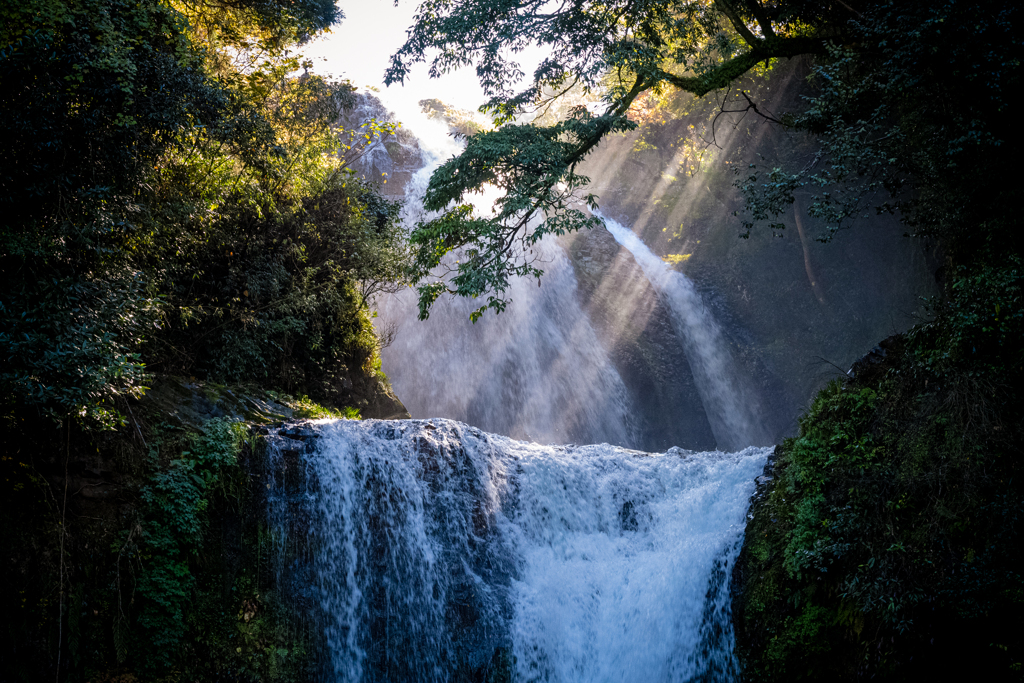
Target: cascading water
{"type": "Point", "coordinates": [437, 552]}
{"type": "Point", "coordinates": [537, 371]}
{"type": "Point", "coordinates": [730, 405]}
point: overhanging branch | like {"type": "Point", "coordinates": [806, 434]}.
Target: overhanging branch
{"type": "Point", "coordinates": [731, 69]}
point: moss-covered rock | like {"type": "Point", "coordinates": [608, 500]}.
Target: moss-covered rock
{"type": "Point", "coordinates": [884, 540]}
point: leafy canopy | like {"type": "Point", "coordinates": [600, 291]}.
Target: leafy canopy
{"type": "Point", "coordinates": [624, 48]}
{"type": "Point", "coordinates": [168, 183]}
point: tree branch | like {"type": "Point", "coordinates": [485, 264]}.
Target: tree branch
{"type": "Point", "coordinates": [758, 111]}
{"type": "Point", "coordinates": [726, 8]}
{"type": "Point", "coordinates": [618, 110]}
{"type": "Point", "coordinates": [762, 19]}
{"type": "Point", "coordinates": [731, 69]}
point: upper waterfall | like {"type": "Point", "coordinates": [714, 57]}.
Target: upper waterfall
{"type": "Point", "coordinates": [537, 371]}
{"type": "Point", "coordinates": [731, 405]}
{"type": "Point", "coordinates": [545, 369]}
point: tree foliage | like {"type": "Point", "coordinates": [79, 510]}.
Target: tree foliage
{"type": "Point", "coordinates": [146, 148]}
{"type": "Point", "coordinates": [914, 119]}
{"type": "Point", "coordinates": [527, 164]}
{"type": "Point", "coordinates": [907, 97]}
{"type": "Point", "coordinates": [177, 197]}
{"type": "Point", "coordinates": [625, 49]}
{"type": "Point", "coordinates": [92, 94]}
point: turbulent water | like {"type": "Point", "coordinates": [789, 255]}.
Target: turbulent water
{"type": "Point", "coordinates": [437, 552]}
{"type": "Point", "coordinates": [729, 403]}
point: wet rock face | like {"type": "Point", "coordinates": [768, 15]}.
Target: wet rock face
{"type": "Point", "coordinates": [624, 308]}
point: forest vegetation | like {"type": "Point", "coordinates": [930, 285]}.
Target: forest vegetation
{"type": "Point", "coordinates": [178, 203]}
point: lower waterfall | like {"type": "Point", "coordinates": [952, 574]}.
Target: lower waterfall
{"type": "Point", "coordinates": [433, 551]}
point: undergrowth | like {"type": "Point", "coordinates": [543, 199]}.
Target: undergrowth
{"type": "Point", "coordinates": [165, 574]}
{"type": "Point", "coordinates": [203, 605]}
{"type": "Point", "coordinates": [305, 407]}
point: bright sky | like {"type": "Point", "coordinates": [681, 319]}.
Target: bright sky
{"type": "Point", "coordinates": [359, 48]}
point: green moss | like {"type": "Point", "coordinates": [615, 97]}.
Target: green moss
{"type": "Point", "coordinates": [304, 407]}
{"type": "Point", "coordinates": [161, 569]}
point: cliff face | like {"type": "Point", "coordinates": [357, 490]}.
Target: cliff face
{"type": "Point", "coordinates": [796, 311]}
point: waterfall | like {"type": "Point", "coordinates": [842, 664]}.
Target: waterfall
{"type": "Point", "coordinates": [537, 371]}
{"type": "Point", "coordinates": [729, 402]}
{"type": "Point", "coordinates": [434, 551]}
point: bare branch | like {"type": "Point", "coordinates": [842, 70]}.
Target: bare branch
{"type": "Point", "coordinates": [757, 111]}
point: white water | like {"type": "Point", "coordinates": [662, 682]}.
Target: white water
{"type": "Point", "coordinates": [439, 552]}
{"type": "Point", "coordinates": [729, 404]}
{"type": "Point", "coordinates": [537, 371]}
